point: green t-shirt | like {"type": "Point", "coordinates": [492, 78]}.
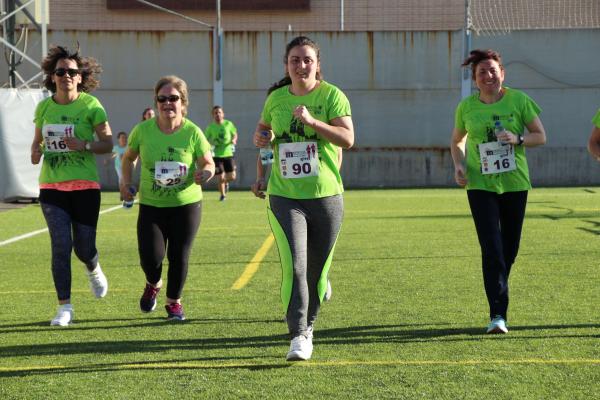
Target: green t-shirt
{"type": "Point", "coordinates": [515, 110]}
{"type": "Point", "coordinates": [168, 163]}
{"type": "Point", "coordinates": [77, 119]}
{"type": "Point", "coordinates": [220, 136]}
{"type": "Point", "coordinates": [596, 119]}
{"type": "Point", "coordinates": [325, 103]}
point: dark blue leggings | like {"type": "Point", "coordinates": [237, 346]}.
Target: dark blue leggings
{"type": "Point", "coordinates": [498, 220]}
{"type": "Point", "coordinates": [72, 218]}
{"type": "Point", "coordinates": [169, 230]}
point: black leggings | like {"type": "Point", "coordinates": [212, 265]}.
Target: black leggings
{"type": "Point", "coordinates": [169, 230]}
{"type": "Point", "coordinates": [498, 220]}
{"type": "Point", "coordinates": [72, 218]}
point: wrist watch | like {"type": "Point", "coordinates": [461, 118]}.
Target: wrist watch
{"type": "Point", "coordinates": [521, 140]}
{"type": "Point", "coordinates": [88, 146]}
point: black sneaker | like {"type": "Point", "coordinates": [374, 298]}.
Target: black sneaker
{"type": "Point", "coordinates": [148, 300]}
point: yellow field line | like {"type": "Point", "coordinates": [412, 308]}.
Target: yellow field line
{"type": "Point", "coordinates": [254, 264]}
{"type": "Point", "coordinates": [337, 363]}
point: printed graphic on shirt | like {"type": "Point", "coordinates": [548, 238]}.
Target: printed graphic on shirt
{"type": "Point", "coordinates": [170, 174]}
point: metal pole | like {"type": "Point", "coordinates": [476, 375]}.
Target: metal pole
{"type": "Point", "coordinates": [218, 60]}
{"type": "Point", "coordinates": [10, 38]}
{"type": "Point", "coordinates": [465, 87]}
{"type": "Point", "coordinates": [341, 15]}
{"type": "Point", "coordinates": [44, 11]}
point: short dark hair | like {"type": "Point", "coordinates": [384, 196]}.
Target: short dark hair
{"type": "Point", "coordinates": [88, 67]}
{"type": "Point", "coordinates": [477, 56]}
{"type": "Point", "coordinates": [121, 134]}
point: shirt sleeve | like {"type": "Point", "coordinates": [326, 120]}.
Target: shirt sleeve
{"type": "Point", "coordinates": [38, 116]}
{"type": "Point", "coordinates": [133, 142]}
{"type": "Point", "coordinates": [459, 122]}
{"type": "Point", "coordinates": [265, 115]}
{"type": "Point", "coordinates": [530, 110]}
{"type": "Point", "coordinates": [201, 146]}
{"type": "Point", "coordinates": [339, 106]}
{"type": "Point", "coordinates": [596, 119]}
{"type": "Point", "coordinates": [98, 114]}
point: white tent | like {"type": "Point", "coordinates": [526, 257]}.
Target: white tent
{"type": "Point", "coordinates": [18, 177]}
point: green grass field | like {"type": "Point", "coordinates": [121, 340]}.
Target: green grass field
{"type": "Point", "coordinates": [406, 319]}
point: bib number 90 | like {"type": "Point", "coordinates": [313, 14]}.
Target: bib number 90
{"type": "Point", "coordinates": [303, 169]}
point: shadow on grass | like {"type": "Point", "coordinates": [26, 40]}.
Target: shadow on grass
{"type": "Point", "coordinates": [120, 323]}
{"type": "Point", "coordinates": [335, 336]}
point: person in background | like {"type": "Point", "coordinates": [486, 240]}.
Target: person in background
{"type": "Point", "coordinates": [117, 153]}
{"type": "Point", "coordinates": [594, 141]}
{"type": "Point", "coordinates": [222, 135]}
{"type": "Point", "coordinates": [147, 113]}
{"type": "Point", "coordinates": [488, 150]}
{"type": "Point", "coordinates": [175, 160]}
{"type": "Point", "coordinates": [306, 120]}
{"type": "Point", "coordinates": [65, 125]}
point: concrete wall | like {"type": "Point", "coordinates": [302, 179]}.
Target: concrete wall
{"type": "Point", "coordinates": [403, 87]}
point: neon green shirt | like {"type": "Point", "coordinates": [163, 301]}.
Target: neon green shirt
{"type": "Point", "coordinates": [221, 136]}
{"type": "Point", "coordinates": [596, 119]}
{"type": "Point", "coordinates": [515, 110]}
{"type": "Point", "coordinates": [173, 154]}
{"type": "Point", "coordinates": [77, 119]}
{"type": "Point", "coordinates": [325, 103]}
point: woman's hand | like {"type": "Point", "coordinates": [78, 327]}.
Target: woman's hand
{"type": "Point", "coordinates": [507, 137]}
{"type": "Point", "coordinates": [74, 143]}
{"type": "Point", "coordinates": [128, 191]}
{"type": "Point", "coordinates": [36, 154]}
{"type": "Point", "coordinates": [459, 175]}
{"type": "Point", "coordinates": [302, 113]}
{"type": "Point", "coordinates": [263, 138]}
{"type": "Point", "coordinates": [202, 176]}
{"type": "Point", "coordinates": [258, 188]}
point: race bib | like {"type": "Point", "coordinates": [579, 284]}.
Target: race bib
{"type": "Point", "coordinates": [497, 157]}
{"type": "Point", "coordinates": [170, 173]}
{"type": "Point", "coordinates": [54, 135]}
{"type": "Point", "coordinates": [299, 160]}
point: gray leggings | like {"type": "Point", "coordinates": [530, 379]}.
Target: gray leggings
{"type": "Point", "coordinates": [306, 232]}
{"type": "Point", "coordinates": [72, 218]}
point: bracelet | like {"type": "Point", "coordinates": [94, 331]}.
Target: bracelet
{"type": "Point", "coordinates": [521, 140]}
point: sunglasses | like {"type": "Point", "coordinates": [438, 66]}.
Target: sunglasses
{"type": "Point", "coordinates": [63, 71]}
{"type": "Point", "coordinates": [172, 98]}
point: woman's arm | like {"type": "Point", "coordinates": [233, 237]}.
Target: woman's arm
{"type": "Point", "coordinates": [457, 150]}
{"type": "Point", "coordinates": [127, 164]}
{"type": "Point", "coordinates": [594, 143]}
{"type": "Point", "coordinates": [36, 146]}
{"type": "Point", "coordinates": [206, 168]}
{"type": "Point", "coordinates": [536, 135]}
{"type": "Point", "coordinates": [339, 131]}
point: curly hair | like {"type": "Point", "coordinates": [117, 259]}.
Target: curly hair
{"type": "Point", "coordinates": [297, 41]}
{"type": "Point", "coordinates": [178, 84]}
{"type": "Point", "coordinates": [88, 66]}
{"type": "Point", "coordinates": [477, 56]}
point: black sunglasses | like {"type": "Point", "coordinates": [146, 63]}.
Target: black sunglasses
{"type": "Point", "coordinates": [63, 71]}
{"type": "Point", "coordinates": [172, 98]}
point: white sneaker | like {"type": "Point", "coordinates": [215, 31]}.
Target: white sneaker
{"type": "Point", "coordinates": [64, 315]}
{"type": "Point", "coordinates": [300, 349]}
{"type": "Point", "coordinates": [328, 293]}
{"type": "Point", "coordinates": [98, 282]}
{"type": "Point", "coordinates": [497, 325]}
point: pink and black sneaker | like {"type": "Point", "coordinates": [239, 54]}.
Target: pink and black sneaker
{"type": "Point", "coordinates": [148, 300]}
{"type": "Point", "coordinates": [175, 312]}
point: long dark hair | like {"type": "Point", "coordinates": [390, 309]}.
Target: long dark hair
{"type": "Point", "coordinates": [297, 41]}
{"type": "Point", "coordinates": [88, 67]}
{"type": "Point", "coordinates": [477, 56]}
